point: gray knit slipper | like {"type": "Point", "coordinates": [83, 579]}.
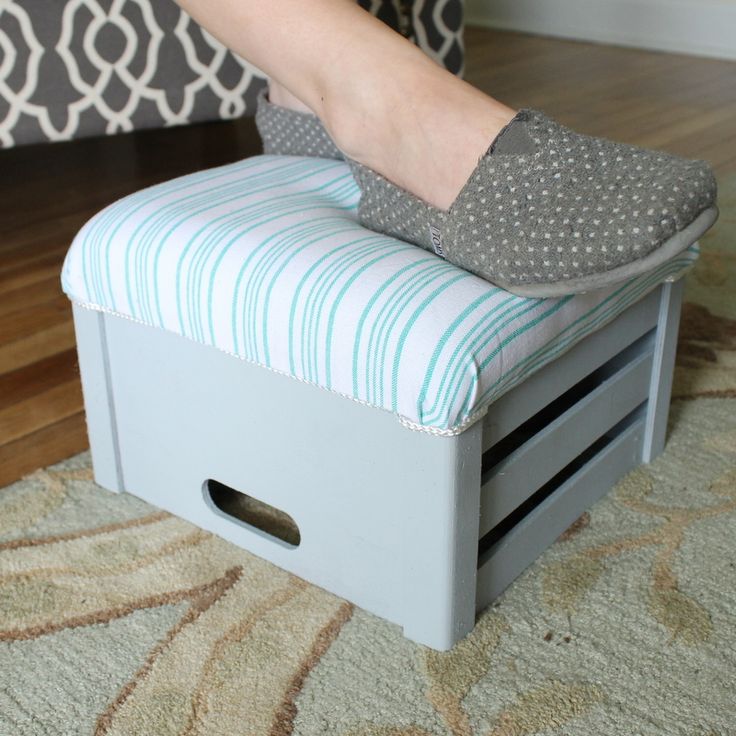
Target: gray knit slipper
{"type": "Point", "coordinates": [290, 132]}
{"type": "Point", "coordinates": [549, 211]}
{"type": "Point", "coordinates": [546, 212]}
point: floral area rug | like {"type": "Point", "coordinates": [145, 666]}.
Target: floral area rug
{"type": "Point", "coordinates": [117, 618]}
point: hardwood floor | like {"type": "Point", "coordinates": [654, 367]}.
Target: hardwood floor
{"type": "Point", "coordinates": [48, 192]}
{"type": "Point", "coordinates": [685, 105]}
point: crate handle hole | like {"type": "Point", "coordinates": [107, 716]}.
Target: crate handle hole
{"type": "Point", "coordinates": [238, 505]}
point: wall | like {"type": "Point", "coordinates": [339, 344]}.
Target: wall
{"type": "Point", "coordinates": [701, 27]}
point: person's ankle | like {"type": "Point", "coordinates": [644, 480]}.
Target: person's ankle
{"type": "Point", "coordinates": [425, 133]}
{"type": "Point", "coordinates": [366, 116]}
{"type": "Point", "coordinates": [279, 95]}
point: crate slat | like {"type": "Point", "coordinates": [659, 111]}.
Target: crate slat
{"type": "Point", "coordinates": [511, 481]}
{"type": "Point", "coordinates": [517, 549]}
{"type": "Point", "coordinates": [513, 408]}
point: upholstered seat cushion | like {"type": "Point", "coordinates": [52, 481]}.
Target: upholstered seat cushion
{"type": "Point", "coordinates": [264, 259]}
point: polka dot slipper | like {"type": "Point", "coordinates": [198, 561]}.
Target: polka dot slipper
{"type": "Point", "coordinates": [549, 211]}
{"type": "Point", "coordinates": [290, 132]}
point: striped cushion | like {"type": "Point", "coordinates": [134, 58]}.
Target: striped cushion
{"type": "Point", "coordinates": [264, 259]}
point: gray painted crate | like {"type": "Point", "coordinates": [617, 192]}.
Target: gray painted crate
{"type": "Point", "coordinates": [422, 530]}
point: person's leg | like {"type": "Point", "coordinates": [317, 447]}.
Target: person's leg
{"type": "Point", "coordinates": [384, 102]}
{"type": "Point", "coordinates": [390, 12]}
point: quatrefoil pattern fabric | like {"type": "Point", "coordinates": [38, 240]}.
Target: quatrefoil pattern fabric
{"type": "Point", "coordinates": [74, 68]}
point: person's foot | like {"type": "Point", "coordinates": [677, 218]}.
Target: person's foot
{"type": "Point", "coordinates": [289, 128]}
{"type": "Point", "coordinates": [549, 211]}
{"type": "Point", "coordinates": [513, 197]}
{"type": "Point", "coordinates": [425, 134]}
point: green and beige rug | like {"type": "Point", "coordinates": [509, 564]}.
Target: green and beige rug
{"type": "Point", "coordinates": [116, 618]}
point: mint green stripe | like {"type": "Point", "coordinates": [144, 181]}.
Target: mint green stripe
{"type": "Point", "coordinates": [450, 332]}
{"type": "Point", "coordinates": [264, 265]}
{"type": "Point", "coordinates": [442, 269]}
{"type": "Point", "coordinates": [165, 190]}
{"type": "Point", "coordinates": [336, 304]}
{"type": "Point", "coordinates": [223, 252]}
{"type": "Point", "coordinates": [560, 344]}
{"type": "Point", "coordinates": [146, 197]}
{"type": "Point", "coordinates": [315, 298]}
{"type": "Point", "coordinates": [489, 335]}
{"type": "Point", "coordinates": [338, 300]}
{"type": "Point", "coordinates": [241, 274]}
{"type": "Point", "coordinates": [237, 192]}
{"type": "Point", "coordinates": [304, 236]}
{"type": "Point", "coordinates": [465, 408]}
{"type": "Point", "coordinates": [267, 298]}
{"type": "Point", "coordinates": [297, 292]}
{"type": "Point", "coordinates": [217, 227]}
{"type": "Point", "coordinates": [429, 266]}
{"type": "Point", "coordinates": [284, 249]}
{"type": "Point", "coordinates": [284, 239]}
{"type": "Point", "coordinates": [545, 353]}
{"type": "Point", "coordinates": [453, 371]}
{"type": "Point", "coordinates": [407, 328]}
{"type": "Point", "coordinates": [275, 208]}
{"type": "Point", "coordinates": [366, 311]}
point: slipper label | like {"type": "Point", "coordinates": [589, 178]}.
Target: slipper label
{"type": "Point", "coordinates": [436, 238]}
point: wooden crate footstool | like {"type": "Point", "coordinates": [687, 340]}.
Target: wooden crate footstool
{"type": "Point", "coordinates": [350, 407]}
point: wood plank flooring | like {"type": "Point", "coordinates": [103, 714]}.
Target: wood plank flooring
{"type": "Point", "coordinates": [48, 192]}
{"type": "Point", "coordinates": [683, 104]}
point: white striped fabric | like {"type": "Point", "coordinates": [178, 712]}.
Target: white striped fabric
{"type": "Point", "coordinates": [264, 259]}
